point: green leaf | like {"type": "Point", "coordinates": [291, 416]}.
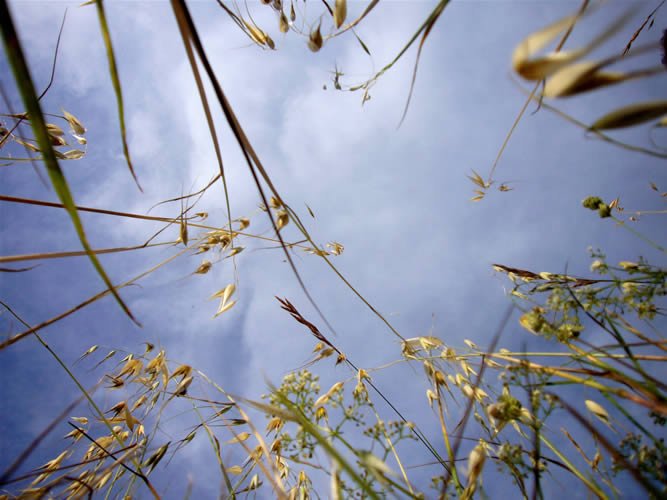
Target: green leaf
{"type": "Point", "coordinates": [361, 42]}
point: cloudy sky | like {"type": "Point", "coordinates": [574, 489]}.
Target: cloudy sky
{"type": "Point", "coordinates": [397, 198]}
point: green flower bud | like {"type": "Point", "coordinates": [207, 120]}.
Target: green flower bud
{"type": "Point", "coordinates": [592, 202]}
{"type": "Point", "coordinates": [604, 210]}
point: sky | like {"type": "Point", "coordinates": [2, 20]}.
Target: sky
{"type": "Point", "coordinates": [397, 197]}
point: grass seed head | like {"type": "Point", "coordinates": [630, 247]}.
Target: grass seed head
{"type": "Point", "coordinates": [132, 368]}
{"type": "Point", "coordinates": [74, 123]}
{"type": "Point", "coordinates": [315, 40]}
{"type": "Point", "coordinates": [431, 396]}
{"type": "Point", "coordinates": [239, 438]}
{"type": "Point", "coordinates": [598, 411]}
{"type": "Point", "coordinates": [182, 387]}
{"type": "Point", "coordinates": [139, 402]}
{"type": "Point", "coordinates": [117, 408]}
{"type": "Point", "coordinates": [224, 307]}
{"type": "Point", "coordinates": [75, 434]}
{"type": "Point", "coordinates": [54, 130]}
{"type": "Point", "coordinates": [182, 371]}
{"type": "Point", "coordinates": [275, 424]}
{"type": "Point", "coordinates": [236, 470]}
{"type": "Point", "coordinates": [244, 222]}
{"type": "Point", "coordinates": [531, 67]}
{"type": "Point", "coordinates": [275, 202]}
{"type": "Point", "coordinates": [340, 12]}
{"type": "Point", "coordinates": [204, 267]}
{"type": "Point", "coordinates": [80, 139]}
{"type": "Point", "coordinates": [476, 461]}
{"type": "Point", "coordinates": [282, 219]}
{"type": "Point", "coordinates": [336, 248]}
{"type": "Point", "coordinates": [236, 251]}
{"type": "Point", "coordinates": [283, 24]}
{"type": "Point", "coordinates": [257, 35]}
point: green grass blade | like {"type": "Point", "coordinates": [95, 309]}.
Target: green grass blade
{"type": "Point", "coordinates": [29, 96]}
{"type": "Point", "coordinates": [115, 80]}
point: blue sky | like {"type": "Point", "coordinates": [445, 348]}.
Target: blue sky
{"type": "Point", "coordinates": [397, 198]}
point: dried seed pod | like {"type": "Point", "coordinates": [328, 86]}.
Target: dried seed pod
{"type": "Point", "coordinates": [431, 396]}
{"type": "Point", "coordinates": [282, 219]}
{"type": "Point", "coordinates": [183, 371]}
{"type": "Point", "coordinates": [225, 293]}
{"type": "Point", "coordinates": [235, 469]}
{"type": "Point", "coordinates": [283, 24]}
{"type": "Point", "coordinates": [336, 248]}
{"type": "Point", "coordinates": [340, 12]}
{"type": "Point", "coordinates": [239, 438]}
{"type": "Point", "coordinates": [275, 202]}
{"type": "Point", "coordinates": [57, 140]}
{"type": "Point", "coordinates": [235, 251]}
{"type": "Point", "coordinates": [275, 424]}
{"type": "Point", "coordinates": [255, 33]}
{"type": "Point", "coordinates": [598, 411]}
{"type": "Point", "coordinates": [132, 368]}
{"type": "Point", "coordinates": [269, 41]}
{"type": "Point", "coordinates": [77, 126]}
{"type": "Point", "coordinates": [204, 267]}
{"type": "Point", "coordinates": [182, 387]}
{"type": "Point", "coordinates": [155, 458]}
{"type": "Point", "coordinates": [476, 461]}
{"type": "Point", "coordinates": [26, 144]}
{"type": "Point", "coordinates": [530, 66]}
{"type": "Point", "coordinates": [53, 129]}
{"type": "Point", "coordinates": [315, 40]}
{"type": "Point", "coordinates": [183, 232]}
{"type": "Point", "coordinates": [117, 408]}
{"type": "Point", "coordinates": [74, 154]}
{"type": "Point", "coordinates": [224, 308]}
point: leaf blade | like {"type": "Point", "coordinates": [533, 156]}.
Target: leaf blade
{"type": "Point", "coordinates": [115, 81]}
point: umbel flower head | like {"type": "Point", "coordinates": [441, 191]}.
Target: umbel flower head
{"type": "Point", "coordinates": [596, 203]}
